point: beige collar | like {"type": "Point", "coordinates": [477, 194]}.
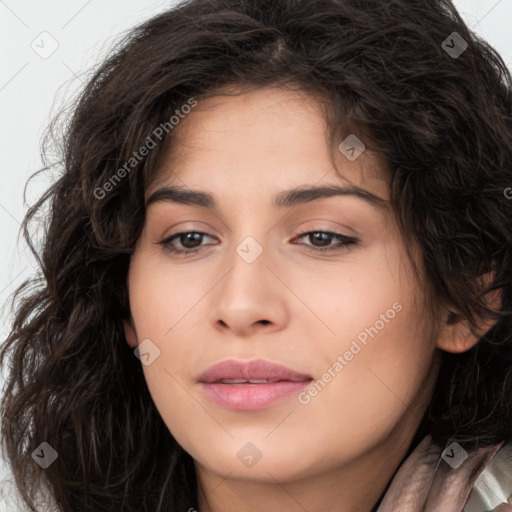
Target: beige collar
{"type": "Point", "coordinates": [427, 483]}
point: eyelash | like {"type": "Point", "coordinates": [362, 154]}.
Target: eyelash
{"type": "Point", "coordinates": [345, 242]}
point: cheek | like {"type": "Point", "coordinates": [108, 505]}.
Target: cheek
{"type": "Point", "coordinates": [364, 296]}
{"type": "Point", "coordinates": [162, 295]}
{"type": "Point", "coordinates": [373, 363]}
{"type": "Point", "coordinates": [360, 398]}
{"type": "Point", "coordinates": [161, 304]}
{"type": "Point", "coordinates": [387, 357]}
{"type": "Point", "coordinates": [161, 316]}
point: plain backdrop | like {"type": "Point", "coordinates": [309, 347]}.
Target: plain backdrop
{"type": "Point", "coordinates": [46, 49]}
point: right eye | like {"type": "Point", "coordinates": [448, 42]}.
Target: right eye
{"type": "Point", "coordinates": [190, 242]}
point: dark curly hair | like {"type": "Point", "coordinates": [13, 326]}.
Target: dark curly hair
{"type": "Point", "coordinates": [440, 122]}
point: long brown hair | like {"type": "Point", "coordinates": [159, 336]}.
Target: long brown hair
{"type": "Point", "coordinates": [440, 121]}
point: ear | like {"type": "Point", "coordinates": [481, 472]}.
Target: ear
{"type": "Point", "coordinates": [130, 334]}
{"type": "Point", "coordinates": [455, 334]}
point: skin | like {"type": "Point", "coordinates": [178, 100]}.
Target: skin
{"type": "Point", "coordinates": [291, 305]}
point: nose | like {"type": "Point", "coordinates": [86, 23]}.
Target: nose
{"type": "Point", "coordinates": [250, 298]}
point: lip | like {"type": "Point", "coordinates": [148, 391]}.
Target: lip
{"type": "Point", "coordinates": [251, 396]}
{"type": "Point", "coordinates": [253, 369]}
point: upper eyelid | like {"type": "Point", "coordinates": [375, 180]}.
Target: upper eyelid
{"type": "Point", "coordinates": [297, 235]}
{"type": "Point", "coordinates": [192, 229]}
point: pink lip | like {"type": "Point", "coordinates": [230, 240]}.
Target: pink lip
{"type": "Point", "coordinates": [251, 396]}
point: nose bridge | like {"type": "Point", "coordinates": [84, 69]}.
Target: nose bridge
{"type": "Point", "coordinates": [248, 263]}
{"type": "Point", "coordinates": [251, 237]}
{"type": "Point", "coordinates": [250, 250]}
{"type": "Point", "coordinates": [246, 296]}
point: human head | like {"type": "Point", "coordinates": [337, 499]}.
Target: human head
{"type": "Point", "coordinates": [382, 83]}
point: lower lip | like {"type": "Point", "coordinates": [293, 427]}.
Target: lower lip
{"type": "Point", "coordinates": [249, 397]}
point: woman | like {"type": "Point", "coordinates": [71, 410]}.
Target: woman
{"type": "Point", "coordinates": [342, 338]}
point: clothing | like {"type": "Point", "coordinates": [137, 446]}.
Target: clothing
{"type": "Point", "coordinates": [426, 482]}
{"type": "Point", "coordinates": [494, 485]}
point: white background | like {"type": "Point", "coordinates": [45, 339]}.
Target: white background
{"type": "Point", "coordinates": [32, 89]}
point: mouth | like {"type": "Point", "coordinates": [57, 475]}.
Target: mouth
{"type": "Point", "coordinates": [250, 381]}
{"type": "Point", "coordinates": [251, 385]}
{"type": "Point", "coordinates": [255, 371]}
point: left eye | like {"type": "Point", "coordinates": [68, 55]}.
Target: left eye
{"type": "Point", "coordinates": [190, 241]}
{"type": "Point", "coordinates": [325, 238]}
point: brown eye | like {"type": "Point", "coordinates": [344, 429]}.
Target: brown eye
{"type": "Point", "coordinates": [321, 240]}
{"type": "Point", "coordinates": [190, 241]}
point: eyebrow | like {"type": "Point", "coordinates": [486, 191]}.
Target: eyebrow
{"type": "Point", "coordinates": [284, 199]}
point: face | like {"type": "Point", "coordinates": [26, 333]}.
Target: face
{"type": "Point", "coordinates": [319, 284]}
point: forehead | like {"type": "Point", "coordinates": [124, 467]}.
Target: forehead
{"type": "Point", "coordinates": [262, 136]}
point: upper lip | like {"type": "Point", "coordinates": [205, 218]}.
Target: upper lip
{"type": "Point", "coordinates": [254, 369]}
